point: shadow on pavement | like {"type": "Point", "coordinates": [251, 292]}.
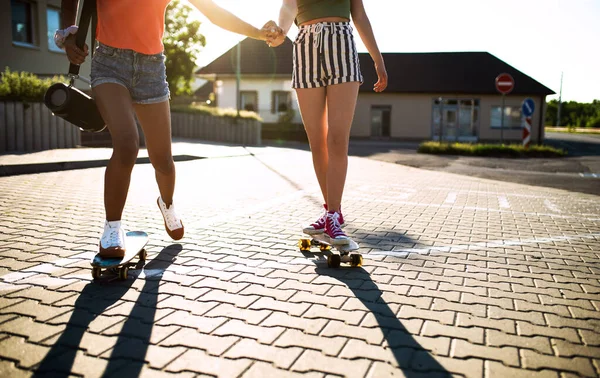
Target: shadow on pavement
{"type": "Point", "coordinates": [129, 352]}
{"type": "Point", "coordinates": [413, 360]}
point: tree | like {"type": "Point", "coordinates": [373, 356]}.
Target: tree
{"type": "Point", "coordinates": [182, 43]}
{"type": "Point", "coordinates": [574, 114]}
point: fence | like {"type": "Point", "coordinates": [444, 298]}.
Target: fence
{"type": "Point", "coordinates": [32, 127]}
{"type": "Point", "coordinates": [242, 131]}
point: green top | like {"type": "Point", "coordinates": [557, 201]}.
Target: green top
{"type": "Point", "coordinates": [312, 9]}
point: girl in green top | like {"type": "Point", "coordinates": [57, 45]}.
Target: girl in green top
{"type": "Point", "coordinates": [326, 78]}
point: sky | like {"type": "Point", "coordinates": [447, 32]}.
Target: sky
{"type": "Point", "coordinates": [541, 38]}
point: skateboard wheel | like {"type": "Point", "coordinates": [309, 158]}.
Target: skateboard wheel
{"type": "Point", "coordinates": [143, 255]}
{"type": "Point", "coordinates": [123, 273]}
{"type": "Point", "coordinates": [324, 247]}
{"type": "Point", "coordinates": [96, 271]}
{"type": "Point", "coordinates": [333, 261]}
{"type": "Point", "coordinates": [304, 244]}
{"type": "Point", "coordinates": [356, 260]}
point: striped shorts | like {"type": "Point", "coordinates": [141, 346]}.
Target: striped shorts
{"type": "Point", "coordinates": [325, 54]}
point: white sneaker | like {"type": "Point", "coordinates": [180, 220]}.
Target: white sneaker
{"type": "Point", "coordinates": [173, 224]}
{"type": "Point", "coordinates": [112, 242]}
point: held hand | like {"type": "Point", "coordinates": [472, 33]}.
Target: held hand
{"type": "Point", "coordinates": [382, 78]}
{"type": "Point", "coordinates": [273, 34]}
{"type": "Point", "coordinates": [74, 53]}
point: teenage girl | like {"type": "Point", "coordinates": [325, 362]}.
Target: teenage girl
{"type": "Point", "coordinates": [326, 77]}
{"type": "Point", "coordinates": [128, 78]}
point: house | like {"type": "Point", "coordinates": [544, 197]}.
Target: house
{"type": "Point", "coordinates": [27, 38]}
{"type": "Point", "coordinates": [266, 80]}
{"type": "Point", "coordinates": [421, 87]}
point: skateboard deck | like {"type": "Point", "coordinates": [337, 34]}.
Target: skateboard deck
{"type": "Point", "coordinates": [334, 260]}
{"type": "Point", "coordinates": [135, 241]}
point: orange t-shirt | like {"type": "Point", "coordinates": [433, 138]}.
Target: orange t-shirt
{"type": "Point", "coordinates": [132, 24]}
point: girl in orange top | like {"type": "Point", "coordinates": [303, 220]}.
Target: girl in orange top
{"type": "Point", "coordinates": [128, 78]}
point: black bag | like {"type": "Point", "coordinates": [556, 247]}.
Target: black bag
{"type": "Point", "coordinates": [68, 102]}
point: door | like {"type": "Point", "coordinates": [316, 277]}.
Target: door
{"type": "Point", "coordinates": [381, 121]}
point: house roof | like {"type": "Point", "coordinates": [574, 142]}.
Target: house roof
{"type": "Point", "coordinates": [256, 59]}
{"type": "Point", "coordinates": [447, 72]}
{"type": "Point", "coordinates": [441, 72]}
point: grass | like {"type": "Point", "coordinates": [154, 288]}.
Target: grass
{"type": "Point", "coordinates": [196, 108]}
{"type": "Point", "coordinates": [572, 130]}
{"type": "Point", "coordinates": [490, 150]}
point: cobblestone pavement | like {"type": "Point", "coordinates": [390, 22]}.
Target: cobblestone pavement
{"type": "Point", "coordinates": [462, 276]}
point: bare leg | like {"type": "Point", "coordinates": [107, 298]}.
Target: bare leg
{"type": "Point", "coordinates": [155, 120]}
{"type": "Point", "coordinates": [114, 103]}
{"type": "Point", "coordinates": [341, 102]}
{"type": "Point", "coordinates": [314, 116]}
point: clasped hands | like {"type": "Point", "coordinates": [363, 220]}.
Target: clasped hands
{"type": "Point", "coordinates": [273, 34]}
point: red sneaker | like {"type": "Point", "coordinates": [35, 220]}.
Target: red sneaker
{"type": "Point", "coordinates": [333, 229]}
{"type": "Point", "coordinates": [318, 227]}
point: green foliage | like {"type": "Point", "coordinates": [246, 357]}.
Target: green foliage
{"type": "Point", "coordinates": [182, 45]}
{"type": "Point", "coordinates": [494, 150]}
{"type": "Point", "coordinates": [574, 114]}
{"type": "Point", "coordinates": [24, 86]}
{"type": "Point", "coordinates": [196, 108]}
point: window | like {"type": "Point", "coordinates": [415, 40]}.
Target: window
{"type": "Point", "coordinates": [249, 100]}
{"type": "Point", "coordinates": [512, 117]}
{"type": "Point", "coordinates": [380, 120]}
{"type": "Point", "coordinates": [455, 119]}
{"type": "Point", "coordinates": [53, 16]}
{"type": "Point", "coordinates": [22, 22]}
{"type": "Point", "coordinates": [281, 102]}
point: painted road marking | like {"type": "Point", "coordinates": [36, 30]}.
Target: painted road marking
{"type": "Point", "coordinates": [551, 206]}
{"type": "Point", "coordinates": [503, 202]}
{"type": "Point", "coordinates": [596, 217]}
{"type": "Point", "coordinates": [483, 245]}
{"type": "Point", "coordinates": [451, 197]}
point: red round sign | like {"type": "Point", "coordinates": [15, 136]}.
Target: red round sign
{"type": "Point", "coordinates": [505, 83]}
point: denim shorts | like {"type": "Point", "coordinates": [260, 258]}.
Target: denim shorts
{"type": "Point", "coordinates": [143, 75]}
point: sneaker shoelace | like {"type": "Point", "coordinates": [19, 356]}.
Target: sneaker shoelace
{"type": "Point", "coordinates": [335, 229]}
{"type": "Point", "coordinates": [171, 216]}
{"type": "Point", "coordinates": [320, 223]}
{"type": "Point", "coordinates": [114, 238]}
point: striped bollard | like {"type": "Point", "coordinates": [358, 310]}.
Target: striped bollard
{"type": "Point", "coordinates": [527, 132]}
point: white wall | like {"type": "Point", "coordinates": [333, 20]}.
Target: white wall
{"type": "Point", "coordinates": [226, 95]}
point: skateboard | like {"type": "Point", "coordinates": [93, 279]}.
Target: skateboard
{"type": "Point", "coordinates": [334, 260]}
{"type": "Point", "coordinates": [135, 241]}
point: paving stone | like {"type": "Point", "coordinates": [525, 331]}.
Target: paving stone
{"type": "Point", "coordinates": [527, 329]}
{"type": "Point", "coordinates": [504, 325]}
{"type": "Point", "coordinates": [19, 350]}
{"type": "Point", "coordinates": [507, 355]}
{"type": "Point", "coordinates": [310, 326]}
{"type": "Point", "coordinates": [262, 369]}
{"type": "Point", "coordinates": [270, 304]}
{"type": "Point", "coordinates": [9, 369]}
{"type": "Point", "coordinates": [185, 319]}
{"type": "Point", "coordinates": [538, 343]}
{"type": "Point", "coordinates": [191, 338]}
{"type": "Point", "coordinates": [567, 349]}
{"type": "Point", "coordinates": [281, 357]}
{"type": "Point", "coordinates": [423, 361]}
{"type": "Point", "coordinates": [327, 345]}
{"type": "Point", "coordinates": [337, 328]}
{"type": "Point", "coordinates": [536, 361]}
{"type": "Point", "coordinates": [472, 334]}
{"type": "Point", "coordinates": [265, 335]}
{"type": "Point", "coordinates": [536, 318]}
{"type": "Point", "coordinates": [311, 361]}
{"type": "Point", "coordinates": [498, 370]}
{"type": "Point", "coordinates": [197, 361]}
